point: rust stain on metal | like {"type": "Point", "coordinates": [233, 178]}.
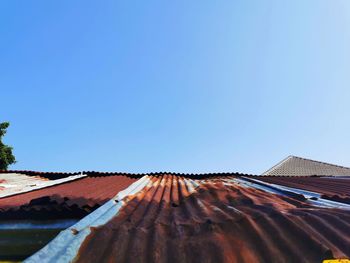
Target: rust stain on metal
{"type": "Point", "coordinates": [74, 231]}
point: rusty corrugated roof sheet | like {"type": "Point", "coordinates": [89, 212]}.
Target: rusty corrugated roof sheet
{"type": "Point", "coordinates": [297, 166]}
{"type": "Point", "coordinates": [73, 199]}
{"type": "Point", "coordinates": [169, 218]}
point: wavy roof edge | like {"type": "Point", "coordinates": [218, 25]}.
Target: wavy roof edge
{"type": "Point", "coordinates": [97, 173]}
{"type": "Point", "coordinates": [60, 175]}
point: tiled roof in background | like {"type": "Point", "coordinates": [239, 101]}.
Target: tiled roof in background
{"type": "Point", "coordinates": [72, 199]}
{"type": "Point", "coordinates": [218, 219]}
{"type": "Point", "coordinates": [296, 166]}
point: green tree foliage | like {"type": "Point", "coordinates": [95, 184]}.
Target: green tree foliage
{"type": "Point", "coordinates": [6, 156]}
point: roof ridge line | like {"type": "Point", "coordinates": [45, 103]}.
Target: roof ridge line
{"type": "Point", "coordinates": [278, 164]}
{"type": "Point", "coordinates": [88, 173]}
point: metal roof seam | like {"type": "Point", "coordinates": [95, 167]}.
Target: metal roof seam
{"type": "Point", "coordinates": [309, 195]}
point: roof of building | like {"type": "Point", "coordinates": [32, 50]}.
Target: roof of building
{"type": "Point", "coordinates": [225, 218]}
{"type": "Point", "coordinates": [297, 166]}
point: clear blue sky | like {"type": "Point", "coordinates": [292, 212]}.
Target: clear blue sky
{"type": "Point", "coordinates": [183, 86]}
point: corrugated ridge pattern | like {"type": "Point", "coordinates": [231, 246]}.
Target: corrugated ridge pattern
{"type": "Point", "coordinates": [176, 219]}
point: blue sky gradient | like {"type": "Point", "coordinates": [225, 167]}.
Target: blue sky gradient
{"type": "Point", "coordinates": [183, 86]}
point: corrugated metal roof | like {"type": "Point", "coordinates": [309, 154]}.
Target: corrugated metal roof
{"type": "Point", "coordinates": [73, 199]}
{"type": "Point", "coordinates": [10, 183]}
{"type": "Point", "coordinates": [219, 219]}
{"type": "Point", "coordinates": [48, 175]}
{"type": "Point", "coordinates": [297, 166]}
{"type": "Point", "coordinates": [15, 183]}
{"type": "Point", "coordinates": [332, 188]}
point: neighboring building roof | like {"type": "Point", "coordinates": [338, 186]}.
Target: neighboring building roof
{"type": "Point", "coordinates": [297, 166]}
{"type": "Point", "coordinates": [333, 188]}
{"type": "Point", "coordinates": [222, 218]}
{"type": "Point", "coordinates": [72, 199]}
